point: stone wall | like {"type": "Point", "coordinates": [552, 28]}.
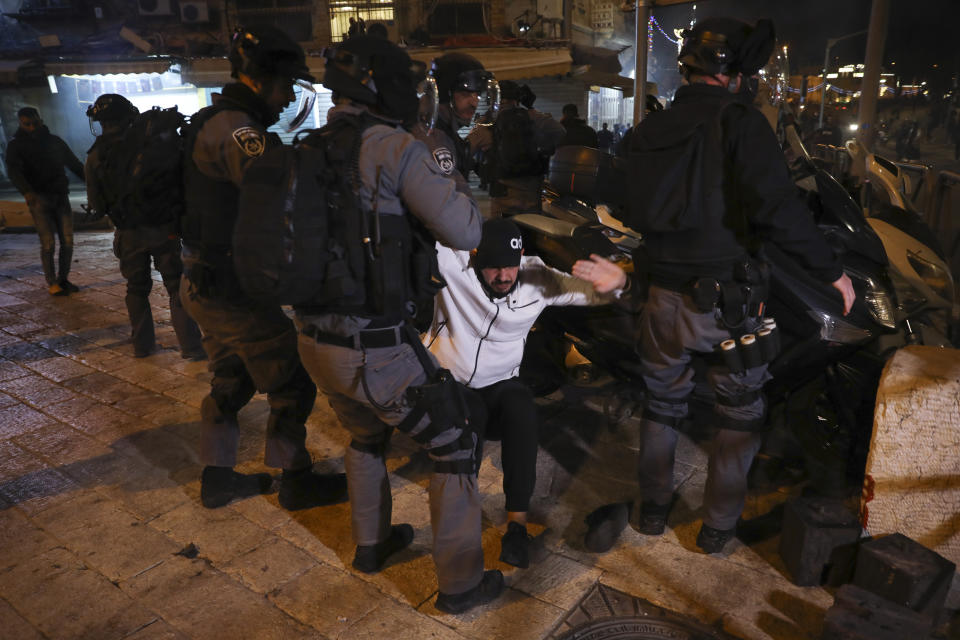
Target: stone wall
{"type": "Point", "coordinates": [913, 471]}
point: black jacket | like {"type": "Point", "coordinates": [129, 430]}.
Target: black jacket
{"type": "Point", "coordinates": [578, 133]}
{"type": "Point", "coordinates": [759, 202]}
{"type": "Point", "coordinates": [35, 162]}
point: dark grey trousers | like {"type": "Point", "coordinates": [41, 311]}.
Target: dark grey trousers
{"type": "Point", "coordinates": [671, 329]}
{"type": "Point", "coordinates": [353, 380]}
{"type": "Point", "coordinates": [251, 348]}
{"type": "Point", "coordinates": [135, 248]}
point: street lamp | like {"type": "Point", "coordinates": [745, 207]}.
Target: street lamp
{"type": "Point", "coordinates": [826, 66]}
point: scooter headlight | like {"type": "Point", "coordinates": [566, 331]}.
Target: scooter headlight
{"type": "Point", "coordinates": [880, 303]}
{"type": "Point", "coordinates": [933, 275]}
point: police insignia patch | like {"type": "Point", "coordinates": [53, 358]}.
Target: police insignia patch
{"type": "Point", "coordinates": [250, 140]}
{"type": "Point", "coordinates": [444, 160]}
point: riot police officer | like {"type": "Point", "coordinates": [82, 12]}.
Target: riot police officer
{"type": "Point", "coordinates": [364, 354]}
{"type": "Point", "coordinates": [139, 236]}
{"type": "Point", "coordinates": [252, 346]}
{"type": "Point", "coordinates": [461, 80]}
{"type": "Point", "coordinates": [706, 285]}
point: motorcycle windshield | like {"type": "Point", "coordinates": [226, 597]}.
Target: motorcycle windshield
{"type": "Point", "coordinates": [842, 213]}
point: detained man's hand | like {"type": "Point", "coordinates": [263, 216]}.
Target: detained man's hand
{"type": "Point", "coordinates": [605, 276]}
{"type": "Point", "coordinates": [845, 287]}
{"type": "Point", "coordinates": [480, 138]}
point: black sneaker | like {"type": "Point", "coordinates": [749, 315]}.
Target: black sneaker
{"type": "Point", "coordinates": [515, 546]}
{"type": "Point", "coordinates": [194, 355]}
{"type": "Point", "coordinates": [303, 489]}
{"type": "Point", "coordinates": [489, 588]}
{"type": "Point", "coordinates": [219, 486]}
{"type": "Point", "coordinates": [714, 540]}
{"type": "Point", "coordinates": [604, 526]}
{"type": "Point", "coordinates": [653, 518]}
{"type": "Point", "coordinates": [68, 286]}
{"type": "Point", "coordinates": [370, 558]}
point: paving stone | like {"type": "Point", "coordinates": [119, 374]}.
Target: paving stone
{"type": "Point", "coordinates": [145, 492]}
{"type": "Point", "coordinates": [202, 603]}
{"type": "Point", "coordinates": [189, 393]}
{"type": "Point", "coordinates": [62, 445]}
{"type": "Point", "coordinates": [303, 538]}
{"type": "Point", "coordinates": [398, 622]}
{"type": "Point", "coordinates": [327, 599]}
{"type": "Point", "coordinates": [157, 630]}
{"type": "Point", "coordinates": [513, 615]}
{"type": "Point", "coordinates": [35, 491]}
{"type": "Point", "coordinates": [59, 369]}
{"type": "Point", "coordinates": [62, 598]}
{"type": "Point", "coordinates": [106, 537]}
{"type": "Point", "coordinates": [19, 419]}
{"type": "Point", "coordinates": [20, 538]}
{"type": "Point", "coordinates": [68, 346]}
{"type": "Point", "coordinates": [13, 625]}
{"type": "Point", "coordinates": [7, 401]}
{"type": "Point", "coordinates": [269, 566]}
{"type": "Point", "coordinates": [557, 580]}
{"type": "Point", "coordinates": [219, 534]}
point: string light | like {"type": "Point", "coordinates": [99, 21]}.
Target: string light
{"type": "Point", "coordinates": [653, 22]}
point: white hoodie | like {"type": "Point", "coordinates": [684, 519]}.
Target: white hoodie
{"type": "Point", "coordinates": [480, 339]}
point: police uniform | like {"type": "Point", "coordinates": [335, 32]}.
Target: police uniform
{"type": "Point", "coordinates": [450, 152]}
{"type": "Point", "coordinates": [364, 367]}
{"type": "Point", "coordinates": [134, 245]}
{"type": "Point", "coordinates": [758, 200]}
{"type": "Point", "coordinates": [252, 346]}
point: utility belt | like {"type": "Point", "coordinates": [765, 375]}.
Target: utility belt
{"type": "Point", "coordinates": [363, 339]}
{"type": "Point", "coordinates": [736, 294]}
{"type": "Point", "coordinates": [751, 350]}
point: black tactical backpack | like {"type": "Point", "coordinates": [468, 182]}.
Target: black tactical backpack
{"type": "Point", "coordinates": [674, 165]}
{"type": "Point", "coordinates": [142, 171]}
{"type": "Point", "coordinates": [298, 235]}
{"type": "Point", "coordinates": [516, 147]}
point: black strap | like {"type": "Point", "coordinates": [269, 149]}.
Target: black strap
{"type": "Point", "coordinates": [365, 339]}
{"type": "Point", "coordinates": [412, 338]}
{"type": "Point", "coordinates": [463, 443]}
{"type": "Point", "coordinates": [661, 418]}
{"type": "Point", "coordinates": [739, 399]}
{"type": "Point", "coordinates": [724, 421]}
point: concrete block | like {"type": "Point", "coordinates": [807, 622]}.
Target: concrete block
{"type": "Point", "coordinates": [812, 529]}
{"type": "Point", "coordinates": [858, 614]}
{"type": "Point", "coordinates": [905, 572]}
{"type": "Point", "coordinates": [913, 466]}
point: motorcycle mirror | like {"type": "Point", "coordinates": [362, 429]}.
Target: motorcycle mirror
{"type": "Point", "coordinates": [307, 96]}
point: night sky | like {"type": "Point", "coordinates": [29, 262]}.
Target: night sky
{"type": "Point", "coordinates": [921, 33]}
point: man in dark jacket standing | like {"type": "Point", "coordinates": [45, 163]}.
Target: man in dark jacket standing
{"type": "Point", "coordinates": [706, 287]}
{"type": "Point", "coordinates": [578, 132]}
{"type": "Point", "coordinates": [35, 161]}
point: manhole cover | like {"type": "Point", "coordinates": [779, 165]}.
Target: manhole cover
{"type": "Point", "coordinates": [609, 614]}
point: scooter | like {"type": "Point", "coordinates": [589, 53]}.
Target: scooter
{"type": "Point", "coordinates": [826, 374]}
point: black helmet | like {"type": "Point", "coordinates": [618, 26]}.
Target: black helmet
{"type": "Point", "coordinates": [112, 106]}
{"type": "Point", "coordinates": [459, 72]}
{"type": "Point", "coordinates": [375, 72]}
{"type": "Point", "coordinates": [267, 51]}
{"type": "Point", "coordinates": [726, 45]}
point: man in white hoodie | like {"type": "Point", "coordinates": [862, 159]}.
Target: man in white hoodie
{"type": "Point", "coordinates": [480, 325]}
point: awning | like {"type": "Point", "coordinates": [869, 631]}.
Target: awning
{"type": "Point", "coordinates": [215, 72]}
{"type": "Point", "coordinates": [107, 67]}
{"type": "Point", "coordinates": [10, 70]}
{"type": "Point", "coordinates": [509, 63]}
{"type": "Point", "coordinates": [611, 80]}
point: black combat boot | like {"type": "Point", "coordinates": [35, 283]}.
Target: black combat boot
{"type": "Point", "coordinates": [303, 489]}
{"type": "Point", "coordinates": [370, 558]}
{"type": "Point", "coordinates": [653, 518]}
{"type": "Point", "coordinates": [219, 486]}
{"type": "Point", "coordinates": [489, 588]}
{"type": "Point", "coordinates": [714, 540]}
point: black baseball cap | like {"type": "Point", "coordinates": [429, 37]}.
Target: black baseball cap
{"type": "Point", "coordinates": [501, 244]}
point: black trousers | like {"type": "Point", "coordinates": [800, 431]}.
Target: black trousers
{"type": "Point", "coordinates": [512, 419]}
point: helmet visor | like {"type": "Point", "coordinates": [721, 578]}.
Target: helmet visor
{"type": "Point", "coordinates": [306, 97]}
{"type": "Point", "coordinates": [96, 127]}
{"type": "Point", "coordinates": [428, 96]}
{"type": "Point", "coordinates": [474, 81]}
{"type": "Point", "coordinates": [489, 107]}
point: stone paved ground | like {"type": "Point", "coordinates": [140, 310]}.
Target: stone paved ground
{"type": "Point", "coordinates": [99, 505]}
